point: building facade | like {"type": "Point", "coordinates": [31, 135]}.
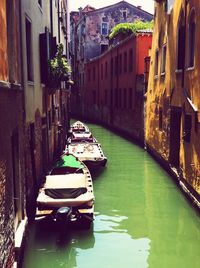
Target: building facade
{"type": "Point", "coordinates": [91, 28]}
{"type": "Point", "coordinates": [12, 169]}
{"type": "Point", "coordinates": [114, 86]}
{"type": "Point", "coordinates": [33, 112]}
{"type": "Point", "coordinates": [173, 97]}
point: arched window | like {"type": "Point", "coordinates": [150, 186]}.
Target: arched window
{"type": "Point", "coordinates": [191, 38]}
{"type": "Point", "coordinates": [180, 42]}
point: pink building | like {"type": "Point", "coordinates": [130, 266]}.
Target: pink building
{"type": "Point", "coordinates": [114, 86]}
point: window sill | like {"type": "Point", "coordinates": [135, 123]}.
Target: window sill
{"type": "Point", "coordinates": [162, 75]}
{"type": "Point", "coordinates": [40, 8]}
{"type": "Point", "coordinates": [30, 83]}
{"type": "Point", "coordinates": [178, 71]}
{"type": "Point", "coordinates": [190, 69]}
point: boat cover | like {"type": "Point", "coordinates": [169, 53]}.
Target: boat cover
{"type": "Point", "coordinates": [65, 193]}
{"type": "Point", "coordinates": [69, 161]}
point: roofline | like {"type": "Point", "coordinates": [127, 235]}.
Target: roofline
{"type": "Point", "coordinates": [99, 9]}
{"type": "Point", "coordinates": [133, 35]}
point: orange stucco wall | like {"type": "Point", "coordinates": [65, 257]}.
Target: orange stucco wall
{"type": "Point", "coordinates": [3, 42]}
{"type": "Point", "coordinates": [175, 89]}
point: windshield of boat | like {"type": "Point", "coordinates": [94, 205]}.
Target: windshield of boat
{"type": "Point", "coordinates": [65, 170]}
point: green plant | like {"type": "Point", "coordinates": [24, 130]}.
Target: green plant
{"type": "Point", "coordinates": [129, 28]}
{"type": "Point", "coordinates": [59, 66]}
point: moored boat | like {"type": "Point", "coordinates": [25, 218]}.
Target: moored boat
{"type": "Point", "coordinates": [89, 153]}
{"type": "Point", "coordinates": [81, 137]}
{"type": "Point", "coordinates": [68, 187]}
{"type": "Point", "coordinates": [78, 126]}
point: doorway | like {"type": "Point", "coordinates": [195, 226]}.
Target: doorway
{"type": "Point", "coordinates": [175, 126]}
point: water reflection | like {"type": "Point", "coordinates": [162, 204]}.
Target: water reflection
{"type": "Point", "coordinates": [52, 246]}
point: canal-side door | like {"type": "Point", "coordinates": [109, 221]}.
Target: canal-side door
{"type": "Point", "coordinates": [175, 125]}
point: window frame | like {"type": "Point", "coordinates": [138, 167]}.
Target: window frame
{"type": "Point", "coordinates": [191, 39]}
{"type": "Point", "coordinates": [163, 60]}
{"type": "Point", "coordinates": [103, 28]}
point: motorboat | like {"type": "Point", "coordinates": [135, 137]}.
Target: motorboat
{"type": "Point", "coordinates": [78, 127]}
{"type": "Point", "coordinates": [81, 137]}
{"type": "Point", "coordinates": [87, 152]}
{"type": "Point", "coordinates": [68, 190]}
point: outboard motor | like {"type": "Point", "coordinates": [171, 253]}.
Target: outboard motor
{"type": "Point", "coordinates": [63, 214]}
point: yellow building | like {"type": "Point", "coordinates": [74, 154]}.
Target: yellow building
{"type": "Point", "coordinates": [173, 96]}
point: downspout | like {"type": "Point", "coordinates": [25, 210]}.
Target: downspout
{"type": "Point", "coordinates": [98, 84]}
{"type": "Point", "coordinates": [184, 46]}
{"type": "Point", "coordinates": [111, 85]}
{"type": "Point", "coordinates": [51, 17]}
{"type": "Point", "coordinates": [21, 58]}
{"type": "Point", "coordinates": [58, 21]}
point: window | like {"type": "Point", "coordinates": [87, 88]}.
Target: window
{"type": "Point", "coordinates": [120, 63]}
{"type": "Point", "coordinates": [163, 59]}
{"type": "Point", "coordinates": [89, 75]}
{"type": "Point", "coordinates": [124, 15]}
{"type": "Point", "coordinates": [181, 43]}
{"type": "Point", "coordinates": [160, 119]}
{"type": "Point", "coordinates": [94, 96]}
{"type": "Point", "coordinates": [191, 39]}
{"type": "Point", "coordinates": [111, 67]}
{"type": "Point", "coordinates": [94, 73]}
{"type": "Point", "coordinates": [130, 60]}
{"type": "Point", "coordinates": [125, 98]}
{"type": "Point", "coordinates": [101, 70]}
{"type": "Point", "coordinates": [130, 97]}
{"type": "Point", "coordinates": [116, 98]}
{"type": "Point", "coordinates": [104, 47]}
{"type": "Point", "coordinates": [111, 98]}
{"type": "Point", "coordinates": [40, 2]}
{"type": "Point", "coordinates": [106, 69]}
{"type": "Point", "coordinates": [29, 57]}
{"type": "Point", "coordinates": [104, 28]}
{"type": "Point", "coordinates": [170, 4]}
{"type": "Point", "coordinates": [106, 97]}
{"type": "Point", "coordinates": [116, 65]}
{"type": "Point", "coordinates": [187, 127]}
{"type": "Point", "coordinates": [125, 62]}
{"type": "Point", "coordinates": [156, 63]}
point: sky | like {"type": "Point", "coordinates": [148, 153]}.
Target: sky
{"type": "Point", "coordinates": [147, 5]}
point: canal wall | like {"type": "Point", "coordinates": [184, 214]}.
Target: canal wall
{"type": "Point", "coordinates": [178, 178]}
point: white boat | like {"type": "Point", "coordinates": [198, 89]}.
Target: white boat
{"type": "Point", "coordinates": [81, 137]}
{"type": "Point", "coordinates": [70, 185]}
{"type": "Point", "coordinates": [87, 152]}
{"type": "Point", "coordinates": [78, 127]}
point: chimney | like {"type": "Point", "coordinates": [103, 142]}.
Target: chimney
{"type": "Point", "coordinates": [140, 7]}
{"type": "Point", "coordinates": [80, 11]}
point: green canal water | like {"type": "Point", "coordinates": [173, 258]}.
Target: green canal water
{"type": "Point", "coordinates": [141, 219]}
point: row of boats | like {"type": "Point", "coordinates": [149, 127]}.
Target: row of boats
{"type": "Point", "coordinates": [67, 192]}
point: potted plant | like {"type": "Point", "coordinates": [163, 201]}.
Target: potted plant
{"type": "Point", "coordinates": [59, 68]}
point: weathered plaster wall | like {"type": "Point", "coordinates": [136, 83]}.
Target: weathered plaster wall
{"type": "Point", "coordinates": [3, 43]}
{"type": "Point", "coordinates": [112, 15]}
{"type": "Point", "coordinates": [168, 93]}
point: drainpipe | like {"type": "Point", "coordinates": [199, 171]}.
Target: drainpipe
{"type": "Point", "coordinates": [111, 89]}
{"type": "Point", "coordinates": [98, 76]}
{"type": "Point", "coordinates": [184, 44]}
{"type": "Point", "coordinates": [51, 17]}
{"type": "Point", "coordinates": [58, 21]}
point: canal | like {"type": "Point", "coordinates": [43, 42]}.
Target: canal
{"type": "Point", "coordinates": [141, 219]}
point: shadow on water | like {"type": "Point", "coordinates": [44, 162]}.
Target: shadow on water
{"type": "Point", "coordinates": [51, 245]}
